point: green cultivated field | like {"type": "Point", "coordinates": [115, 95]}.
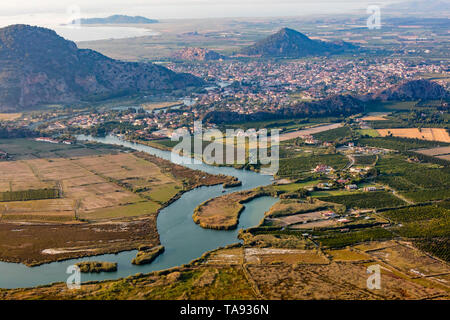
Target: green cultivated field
{"type": "Point", "coordinates": [400, 144]}
{"type": "Point", "coordinates": [378, 106]}
{"type": "Point", "coordinates": [366, 200]}
{"type": "Point", "coordinates": [417, 214]}
{"type": "Point", "coordinates": [334, 134]}
{"type": "Point", "coordinates": [368, 132]}
{"type": "Point", "coordinates": [417, 181]}
{"type": "Point", "coordinates": [296, 186]}
{"type": "Point", "coordinates": [365, 160]}
{"type": "Point", "coordinates": [338, 240]}
{"type": "Point", "coordinates": [27, 195]}
{"type": "Point", "coordinates": [438, 247]}
{"type": "Point", "coordinates": [296, 166]}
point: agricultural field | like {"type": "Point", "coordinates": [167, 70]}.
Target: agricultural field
{"type": "Point", "coordinates": [438, 247]}
{"type": "Point", "coordinates": [25, 149]}
{"type": "Point", "coordinates": [416, 181]}
{"type": "Point", "coordinates": [426, 114]}
{"type": "Point", "coordinates": [287, 125]}
{"type": "Point", "coordinates": [289, 207]}
{"type": "Point", "coordinates": [9, 116]}
{"type": "Point", "coordinates": [291, 187]}
{"type": "Point", "coordinates": [109, 186]}
{"type": "Point", "coordinates": [309, 131]}
{"type": "Point", "coordinates": [430, 224]}
{"type": "Point", "coordinates": [425, 229]}
{"type": "Point", "coordinates": [417, 213]}
{"type": "Point", "coordinates": [442, 153]}
{"type": "Point", "coordinates": [431, 134]}
{"type": "Point", "coordinates": [366, 200]}
{"type": "Point", "coordinates": [375, 116]}
{"type": "Point", "coordinates": [90, 188]}
{"type": "Point", "coordinates": [387, 106]}
{"type": "Point", "coordinates": [435, 151]}
{"type": "Point", "coordinates": [372, 133]}
{"type": "Point", "coordinates": [334, 240]}
{"type": "Point", "coordinates": [411, 261]}
{"type": "Point", "coordinates": [297, 166]}
{"type": "Point", "coordinates": [20, 176]}
{"type": "Point", "coordinates": [160, 105]}
{"type": "Point", "coordinates": [293, 148]}
{"type": "Point", "coordinates": [60, 195]}
{"type": "Point", "coordinates": [347, 255]}
{"type": "Point", "coordinates": [297, 219]}
{"type": "Point", "coordinates": [334, 134]}
{"type": "Point", "coordinates": [365, 160]}
{"type": "Point", "coordinates": [400, 144]}
{"type": "Point", "coordinates": [332, 193]}
{"type": "Point", "coordinates": [444, 157]}
{"type": "Point", "coordinates": [136, 174]}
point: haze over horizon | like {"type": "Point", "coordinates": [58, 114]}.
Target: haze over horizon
{"type": "Point", "coordinates": [53, 12]}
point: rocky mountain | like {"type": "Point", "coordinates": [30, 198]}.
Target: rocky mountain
{"type": "Point", "coordinates": [332, 106]}
{"type": "Point", "coordinates": [116, 19]}
{"type": "Point", "coordinates": [288, 43]}
{"type": "Point", "coordinates": [197, 54]}
{"type": "Point", "coordinates": [412, 90]}
{"type": "Point", "coordinates": [39, 67]}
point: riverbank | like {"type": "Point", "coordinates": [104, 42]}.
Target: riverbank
{"type": "Point", "coordinates": [256, 271]}
{"type": "Point", "coordinates": [222, 213]}
{"type": "Point", "coordinates": [109, 204]}
{"type": "Point", "coordinates": [182, 238]}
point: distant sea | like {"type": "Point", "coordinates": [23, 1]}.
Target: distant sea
{"type": "Point", "coordinates": [77, 33]}
{"type": "Point", "coordinates": [93, 33]}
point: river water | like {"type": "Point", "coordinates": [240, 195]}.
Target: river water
{"type": "Point", "coordinates": [182, 238]}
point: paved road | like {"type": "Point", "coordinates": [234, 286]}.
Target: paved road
{"type": "Point", "coordinates": [351, 163]}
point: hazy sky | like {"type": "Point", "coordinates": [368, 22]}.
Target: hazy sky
{"type": "Point", "coordinates": [49, 12]}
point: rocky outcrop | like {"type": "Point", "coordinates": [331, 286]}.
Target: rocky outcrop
{"type": "Point", "coordinates": [40, 67]}
{"type": "Point", "coordinates": [198, 54]}
{"type": "Point", "coordinates": [413, 90]}
{"type": "Point", "coordinates": [289, 43]}
{"type": "Point", "coordinates": [116, 19]}
{"type": "Point", "coordinates": [332, 106]}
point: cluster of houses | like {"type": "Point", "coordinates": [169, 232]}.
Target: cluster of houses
{"type": "Point", "coordinates": [308, 139]}
{"type": "Point", "coordinates": [350, 147]}
{"type": "Point", "coordinates": [365, 189]}
{"type": "Point", "coordinates": [329, 185]}
{"type": "Point", "coordinates": [325, 185]}
{"type": "Point", "coordinates": [56, 126]}
{"type": "Point", "coordinates": [273, 81]}
{"type": "Point", "coordinates": [52, 140]}
{"type": "Point", "coordinates": [322, 168]}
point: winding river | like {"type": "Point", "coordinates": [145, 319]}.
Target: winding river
{"type": "Point", "coordinates": [182, 238]}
